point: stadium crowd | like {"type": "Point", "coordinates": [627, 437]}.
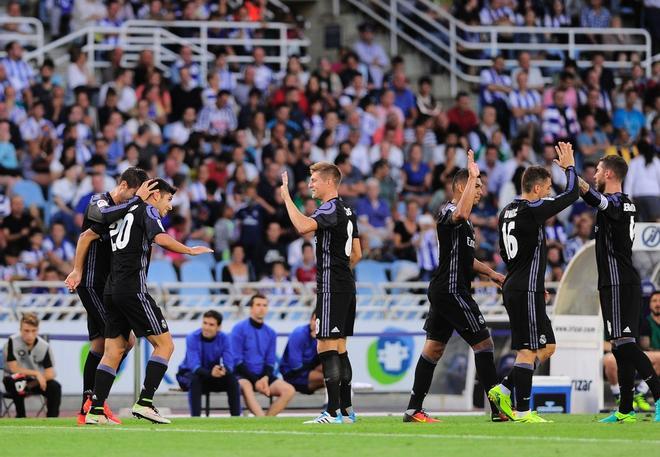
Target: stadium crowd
{"type": "Point", "coordinates": [224, 142]}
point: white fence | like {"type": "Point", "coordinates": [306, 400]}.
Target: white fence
{"type": "Point", "coordinates": [441, 37]}
{"type": "Point", "coordinates": [294, 302]}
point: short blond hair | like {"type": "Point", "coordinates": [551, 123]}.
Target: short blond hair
{"type": "Point", "coordinates": [327, 170]}
{"type": "Point", "coordinates": [30, 319]}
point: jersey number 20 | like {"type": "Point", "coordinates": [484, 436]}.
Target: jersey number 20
{"type": "Point", "coordinates": [120, 232]}
{"type": "Point", "coordinates": [510, 242]}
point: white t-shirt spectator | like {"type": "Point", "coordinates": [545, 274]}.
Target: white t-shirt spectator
{"type": "Point", "coordinates": [643, 180]}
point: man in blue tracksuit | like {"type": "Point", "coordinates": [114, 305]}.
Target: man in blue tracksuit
{"type": "Point", "coordinates": [300, 365]}
{"type": "Point", "coordinates": [253, 343]}
{"type": "Point", "coordinates": [209, 365]}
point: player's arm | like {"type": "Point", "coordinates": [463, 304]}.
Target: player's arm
{"type": "Point", "coordinates": [485, 270]}
{"type": "Point", "coordinates": [356, 247]}
{"type": "Point", "coordinates": [49, 369]}
{"type": "Point", "coordinates": [82, 248]}
{"type": "Point", "coordinates": [165, 241]}
{"type": "Point", "coordinates": [464, 205]}
{"type": "Point", "coordinates": [103, 213]}
{"type": "Point", "coordinates": [303, 224]}
{"type": "Point", "coordinates": [610, 205]}
{"type": "Point", "coordinates": [545, 208]}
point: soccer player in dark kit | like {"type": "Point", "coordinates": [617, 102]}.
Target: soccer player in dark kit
{"type": "Point", "coordinates": [337, 251]}
{"type": "Point", "coordinates": [129, 305]}
{"type": "Point", "coordinates": [619, 284]}
{"type": "Point", "coordinates": [452, 306]}
{"type": "Point", "coordinates": [90, 272]}
{"type": "Point", "coordinates": [523, 248]}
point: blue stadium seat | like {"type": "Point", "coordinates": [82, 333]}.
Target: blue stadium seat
{"type": "Point", "coordinates": [192, 272]}
{"type": "Point", "coordinates": [31, 193]}
{"type": "Point", "coordinates": [370, 271]}
{"type": "Point", "coordinates": [207, 259]}
{"type": "Point", "coordinates": [161, 270]}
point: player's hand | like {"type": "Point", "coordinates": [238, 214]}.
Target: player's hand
{"type": "Point", "coordinates": [284, 189]}
{"type": "Point", "coordinates": [73, 280]}
{"type": "Point", "coordinates": [262, 386]}
{"type": "Point", "coordinates": [565, 155]}
{"type": "Point", "coordinates": [546, 296]}
{"type": "Point", "coordinates": [473, 168]}
{"type": "Point", "coordinates": [146, 189]}
{"type": "Point", "coordinates": [498, 278]}
{"type": "Point", "coordinates": [41, 379]}
{"type": "Point", "coordinates": [197, 250]}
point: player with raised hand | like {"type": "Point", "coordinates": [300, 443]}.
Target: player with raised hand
{"type": "Point", "coordinates": [128, 303]}
{"type": "Point", "coordinates": [91, 270]}
{"type": "Point", "coordinates": [619, 284]}
{"type": "Point", "coordinates": [337, 251]}
{"type": "Point", "coordinates": [523, 248]}
{"type": "Point", "coordinates": [452, 306]}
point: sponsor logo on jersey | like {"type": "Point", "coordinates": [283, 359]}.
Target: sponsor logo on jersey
{"type": "Point", "coordinates": [102, 203]}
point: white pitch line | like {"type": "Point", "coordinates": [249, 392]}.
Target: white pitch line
{"type": "Point", "coordinates": [166, 429]}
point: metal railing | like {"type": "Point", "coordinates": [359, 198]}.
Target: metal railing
{"type": "Point", "coordinates": [442, 38]}
{"type": "Point", "coordinates": [290, 301]}
{"type": "Point", "coordinates": [161, 37]}
{"type": "Point", "coordinates": [35, 39]}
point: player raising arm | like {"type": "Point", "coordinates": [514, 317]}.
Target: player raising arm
{"type": "Point", "coordinates": [337, 251]}
{"type": "Point", "coordinates": [523, 248]}
{"type": "Point", "coordinates": [619, 284]}
{"type": "Point", "coordinates": [452, 306]}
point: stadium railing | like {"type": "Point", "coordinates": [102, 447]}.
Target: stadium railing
{"type": "Point", "coordinates": [294, 301]}
{"type": "Point", "coordinates": [33, 40]}
{"type": "Point", "coordinates": [161, 37]}
{"type": "Point", "coordinates": [441, 39]}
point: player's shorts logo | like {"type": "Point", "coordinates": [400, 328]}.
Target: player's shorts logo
{"type": "Point", "coordinates": [542, 339]}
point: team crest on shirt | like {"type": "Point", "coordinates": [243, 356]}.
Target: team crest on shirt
{"type": "Point", "coordinates": [163, 324]}
{"type": "Point", "coordinates": [481, 320]}
{"type": "Point", "coordinates": [102, 203]}
{"type": "Point", "coordinates": [542, 339]}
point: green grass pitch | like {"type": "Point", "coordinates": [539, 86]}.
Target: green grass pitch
{"type": "Point", "coordinates": [474, 436]}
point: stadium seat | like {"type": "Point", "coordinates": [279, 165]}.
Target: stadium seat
{"type": "Point", "coordinates": [160, 271]}
{"type": "Point", "coordinates": [207, 259]}
{"type": "Point", "coordinates": [31, 193]}
{"type": "Point", "coordinates": [372, 272]}
{"type": "Point", "coordinates": [192, 272]}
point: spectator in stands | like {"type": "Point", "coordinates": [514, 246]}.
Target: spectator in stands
{"type": "Point", "coordinates": [583, 228]}
{"type": "Point", "coordinates": [404, 231]}
{"type": "Point", "coordinates": [566, 84]}
{"type": "Point", "coordinates": [426, 245]}
{"type": "Point", "coordinates": [559, 120]}
{"type": "Point", "coordinates": [651, 21]}
{"type": "Point", "coordinates": [526, 107]}
{"type": "Point", "coordinates": [592, 107]}
{"type": "Point", "coordinates": [623, 146]}
{"type": "Point", "coordinates": [87, 13]}
{"type": "Point", "coordinates": [483, 133]}
{"type": "Point", "coordinates": [208, 365]}
{"type": "Point", "coordinates": [629, 118]}
{"type": "Point", "coordinates": [29, 368]}
{"type": "Point", "coordinates": [14, 11]}
{"type": "Point", "coordinates": [404, 97]}
{"type": "Point", "coordinates": [595, 16]}
{"type": "Point", "coordinates": [186, 60]}
{"type": "Point", "coordinates": [591, 142]}
{"type": "Point", "coordinates": [495, 89]}
{"type": "Point", "coordinates": [606, 75]}
{"type": "Point", "coordinates": [643, 183]}
{"type": "Point", "coordinates": [416, 175]}
{"type": "Point", "coordinates": [271, 250]}
{"type": "Point", "coordinates": [78, 73]}
{"type": "Point", "coordinates": [8, 156]}
{"type": "Point", "coordinates": [19, 73]}
{"type": "Point", "coordinates": [18, 225]}
{"type": "Point", "coordinates": [534, 77]}
{"type": "Point", "coordinates": [427, 105]}
{"type": "Point", "coordinates": [237, 271]}
{"type": "Point", "coordinates": [374, 218]}
{"type": "Point", "coordinates": [59, 251]}
{"type": "Point", "coordinates": [263, 75]}
{"type": "Point", "coordinates": [300, 365]}
{"type": "Point", "coordinates": [305, 271]}
{"type": "Point", "coordinates": [371, 54]}
{"type": "Point", "coordinates": [253, 345]}
{"type": "Point", "coordinates": [496, 12]}
{"type": "Point", "coordinates": [462, 115]}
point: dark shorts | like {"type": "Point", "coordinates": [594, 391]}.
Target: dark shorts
{"type": "Point", "coordinates": [137, 312]}
{"type": "Point", "coordinates": [449, 312]}
{"type": "Point", "coordinates": [621, 307]}
{"type": "Point", "coordinates": [92, 300]}
{"type": "Point", "coordinates": [530, 325]}
{"type": "Point", "coordinates": [335, 315]}
{"type": "Point", "coordinates": [300, 382]}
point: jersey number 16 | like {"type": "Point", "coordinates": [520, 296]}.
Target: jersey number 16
{"type": "Point", "coordinates": [510, 242]}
